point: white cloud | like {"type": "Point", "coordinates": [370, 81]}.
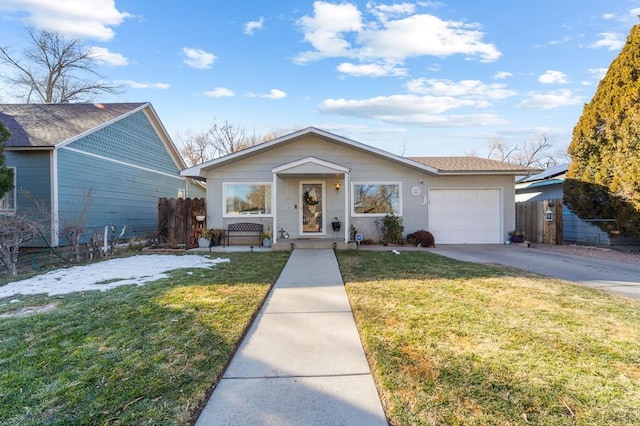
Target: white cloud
{"type": "Point", "coordinates": [251, 26]}
{"type": "Point", "coordinates": [409, 109]}
{"type": "Point", "coordinates": [198, 58]}
{"type": "Point", "coordinates": [467, 89]}
{"type": "Point", "coordinates": [74, 18]}
{"type": "Point", "coordinates": [550, 100]}
{"type": "Point", "coordinates": [103, 55]}
{"type": "Point", "coordinates": [219, 92]}
{"type": "Point", "coordinates": [272, 94]}
{"type": "Point", "coordinates": [371, 70]}
{"type": "Point", "coordinates": [324, 30]}
{"type": "Point", "coordinates": [598, 73]}
{"type": "Point", "coordinates": [610, 41]}
{"type": "Point", "coordinates": [608, 16]}
{"type": "Point", "coordinates": [502, 75]}
{"type": "Point", "coordinates": [553, 77]}
{"type": "Point", "coordinates": [143, 85]}
{"type": "Point", "coordinates": [384, 12]}
{"type": "Point", "coordinates": [387, 38]}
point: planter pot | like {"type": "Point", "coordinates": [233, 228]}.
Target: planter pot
{"type": "Point", "coordinates": [517, 239]}
{"type": "Point", "coordinates": [215, 241]}
{"type": "Point", "coordinates": [203, 242]}
{"type": "Point", "coordinates": [336, 226]}
{"type": "Point", "coordinates": [266, 242]}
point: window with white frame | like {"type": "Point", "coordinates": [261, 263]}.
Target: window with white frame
{"type": "Point", "coordinates": [242, 199]}
{"type": "Point", "coordinates": [376, 199]}
{"type": "Point", "coordinates": [8, 201]}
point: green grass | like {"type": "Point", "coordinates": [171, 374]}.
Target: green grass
{"type": "Point", "coordinates": [132, 355]}
{"type": "Point", "coordinates": [455, 343]}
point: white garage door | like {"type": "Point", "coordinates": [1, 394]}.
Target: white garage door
{"type": "Point", "coordinates": [465, 216]}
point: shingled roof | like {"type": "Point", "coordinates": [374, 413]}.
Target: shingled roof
{"type": "Point", "coordinates": [47, 125]}
{"type": "Point", "coordinates": [446, 165]}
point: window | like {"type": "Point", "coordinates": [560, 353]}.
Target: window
{"type": "Point", "coordinates": [247, 199]}
{"type": "Point", "coordinates": [8, 202]}
{"type": "Point", "coordinates": [376, 199]}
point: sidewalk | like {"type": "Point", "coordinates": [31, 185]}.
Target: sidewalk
{"type": "Point", "coordinates": [302, 361]}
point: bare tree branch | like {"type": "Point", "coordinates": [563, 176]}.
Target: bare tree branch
{"type": "Point", "coordinates": [538, 152]}
{"type": "Point", "coordinates": [54, 69]}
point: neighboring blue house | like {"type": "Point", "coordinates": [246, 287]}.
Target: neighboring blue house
{"type": "Point", "coordinates": [548, 185]}
{"type": "Point", "coordinates": [120, 153]}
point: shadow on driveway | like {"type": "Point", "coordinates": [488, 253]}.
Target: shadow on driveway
{"type": "Point", "coordinates": [617, 277]}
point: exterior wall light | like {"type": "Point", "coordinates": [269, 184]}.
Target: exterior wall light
{"type": "Point", "coordinates": [548, 215]}
{"type": "Point", "coordinates": [337, 186]}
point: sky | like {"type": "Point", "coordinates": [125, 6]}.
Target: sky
{"type": "Point", "coordinates": [415, 78]}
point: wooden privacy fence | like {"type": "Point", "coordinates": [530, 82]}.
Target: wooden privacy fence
{"type": "Point", "coordinates": [177, 218]}
{"type": "Point", "coordinates": [531, 218]}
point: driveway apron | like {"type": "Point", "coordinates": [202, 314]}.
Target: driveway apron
{"type": "Point", "coordinates": [615, 277]}
{"type": "Point", "coordinates": [302, 361]}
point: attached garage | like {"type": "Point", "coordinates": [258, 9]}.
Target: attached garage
{"type": "Point", "coordinates": [466, 216]}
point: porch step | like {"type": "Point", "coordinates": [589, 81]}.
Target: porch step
{"type": "Point", "coordinates": [289, 244]}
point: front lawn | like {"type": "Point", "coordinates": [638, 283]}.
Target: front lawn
{"type": "Point", "coordinates": [131, 355]}
{"type": "Point", "coordinates": [455, 343]}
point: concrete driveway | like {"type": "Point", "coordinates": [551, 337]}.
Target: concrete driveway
{"type": "Point", "coordinates": [617, 277]}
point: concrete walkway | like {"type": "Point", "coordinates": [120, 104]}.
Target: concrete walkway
{"type": "Point", "coordinates": [302, 361]}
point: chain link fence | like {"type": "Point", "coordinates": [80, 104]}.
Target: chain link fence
{"type": "Point", "coordinates": [94, 243]}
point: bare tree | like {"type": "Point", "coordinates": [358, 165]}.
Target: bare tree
{"type": "Point", "coordinates": [538, 152]}
{"type": "Point", "coordinates": [54, 69]}
{"type": "Point", "coordinates": [228, 138]}
{"type": "Point", "coordinates": [219, 140]}
{"type": "Point", "coordinates": [195, 147]}
{"type": "Point", "coordinates": [14, 232]}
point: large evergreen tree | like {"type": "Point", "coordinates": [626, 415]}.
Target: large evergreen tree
{"type": "Point", "coordinates": [6, 176]}
{"type": "Point", "coordinates": [603, 181]}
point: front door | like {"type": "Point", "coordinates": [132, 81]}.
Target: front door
{"type": "Point", "coordinates": [312, 211]}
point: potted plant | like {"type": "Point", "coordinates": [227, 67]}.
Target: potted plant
{"type": "Point", "coordinates": [266, 238]}
{"type": "Point", "coordinates": [215, 237]}
{"type": "Point", "coordinates": [517, 236]}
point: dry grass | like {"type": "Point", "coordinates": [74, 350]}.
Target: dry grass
{"type": "Point", "coordinates": [458, 343]}
{"type": "Point", "coordinates": [132, 355]}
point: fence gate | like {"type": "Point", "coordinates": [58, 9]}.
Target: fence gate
{"type": "Point", "coordinates": [532, 218]}
{"type": "Point", "coordinates": [177, 218]}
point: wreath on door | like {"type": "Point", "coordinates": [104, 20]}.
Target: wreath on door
{"type": "Point", "coordinates": [308, 199]}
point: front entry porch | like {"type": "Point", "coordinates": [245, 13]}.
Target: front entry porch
{"type": "Point", "coordinates": [312, 243]}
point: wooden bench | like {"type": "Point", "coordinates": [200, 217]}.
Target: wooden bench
{"type": "Point", "coordinates": [245, 230]}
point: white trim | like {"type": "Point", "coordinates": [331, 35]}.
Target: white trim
{"type": "Point", "coordinates": [312, 160]}
{"type": "Point", "coordinates": [353, 198]}
{"type": "Point", "coordinates": [55, 223]}
{"type": "Point", "coordinates": [224, 200]}
{"type": "Point", "coordinates": [13, 192]}
{"type": "Point", "coordinates": [200, 169]}
{"type": "Point", "coordinates": [274, 208]}
{"type": "Point", "coordinates": [122, 163]}
{"type": "Point", "coordinates": [347, 207]}
{"type": "Point", "coordinates": [324, 207]}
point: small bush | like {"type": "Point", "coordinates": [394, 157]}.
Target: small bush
{"type": "Point", "coordinates": [421, 238]}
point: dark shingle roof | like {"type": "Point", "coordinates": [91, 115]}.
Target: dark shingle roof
{"type": "Point", "coordinates": [47, 125]}
{"type": "Point", "coordinates": [469, 164]}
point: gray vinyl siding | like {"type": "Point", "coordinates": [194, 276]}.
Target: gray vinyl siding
{"type": "Point", "coordinates": [364, 167]}
{"type": "Point", "coordinates": [33, 171]}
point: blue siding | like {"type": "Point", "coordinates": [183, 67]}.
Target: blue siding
{"type": "Point", "coordinates": [131, 139]}
{"type": "Point", "coordinates": [122, 194]}
{"type": "Point", "coordinates": [33, 170]}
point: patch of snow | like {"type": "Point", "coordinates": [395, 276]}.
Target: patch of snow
{"type": "Point", "coordinates": [137, 270]}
